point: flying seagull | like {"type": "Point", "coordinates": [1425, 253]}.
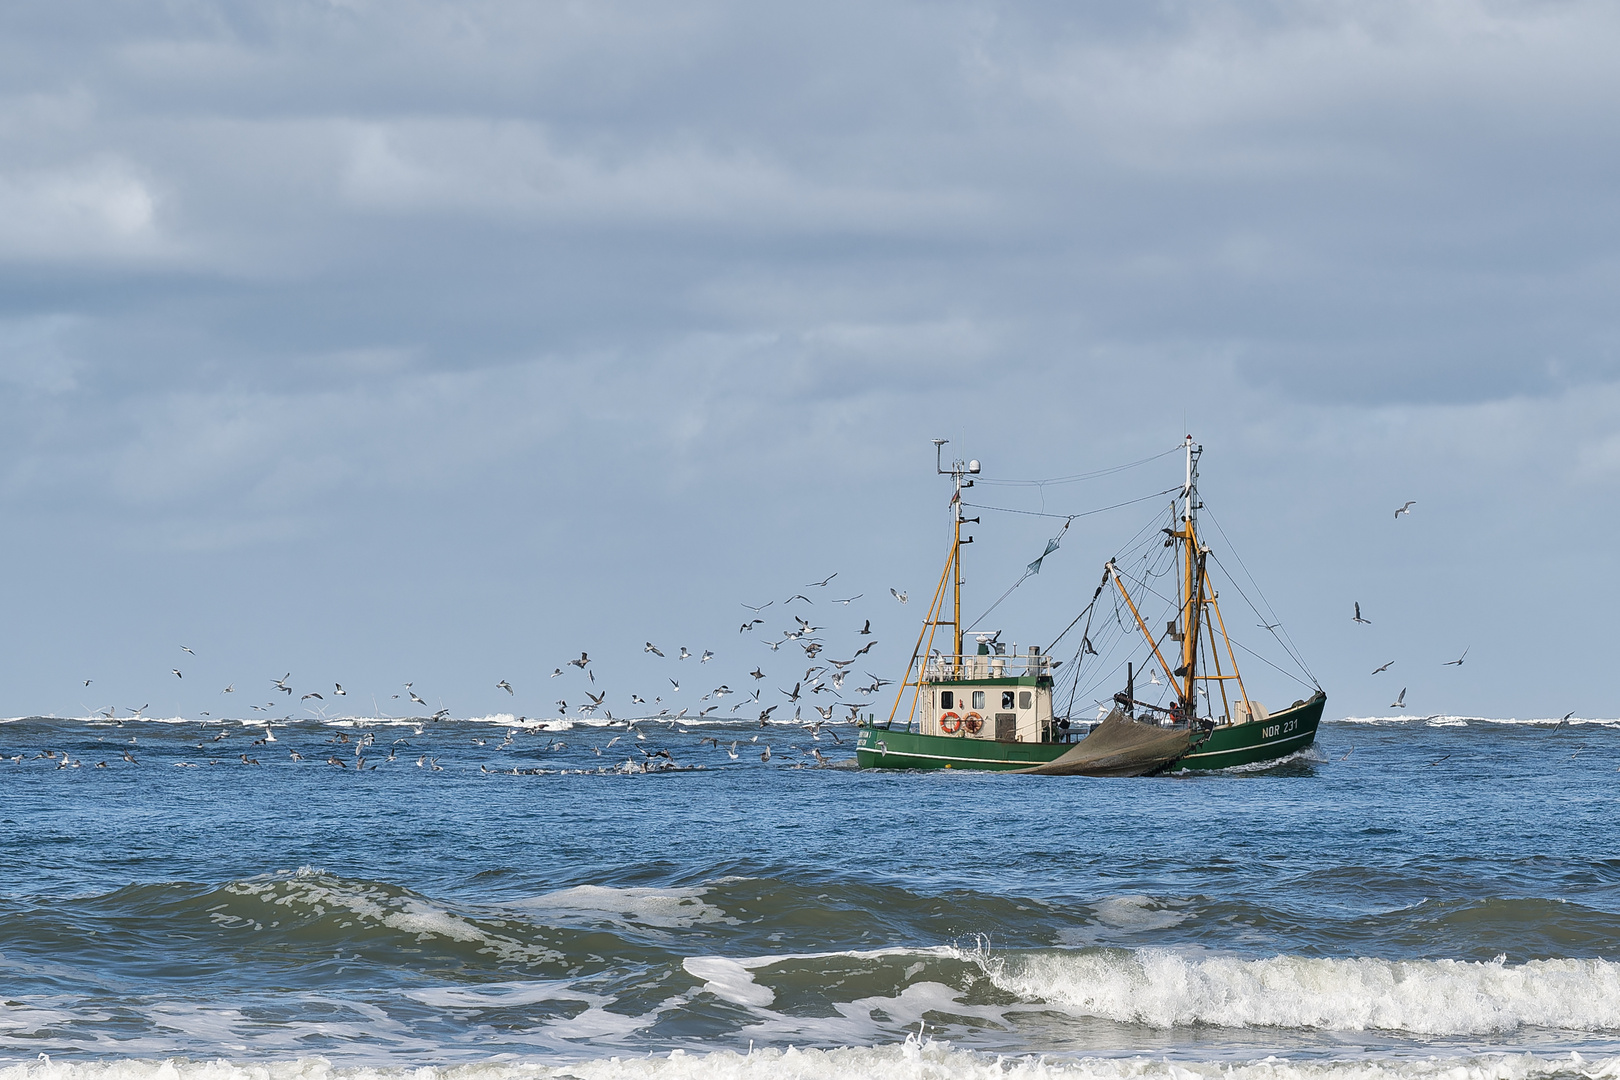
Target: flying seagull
{"type": "Point", "coordinates": [867, 629]}
{"type": "Point", "coordinates": [504, 685]}
{"type": "Point", "coordinates": [822, 584]}
{"type": "Point", "coordinates": [900, 596]}
{"type": "Point", "coordinates": [1400, 701]}
{"type": "Point", "coordinates": [1358, 617]}
{"type": "Point", "coordinates": [1564, 721]}
{"type": "Point", "coordinates": [1407, 509]}
{"type": "Point", "coordinates": [184, 649]}
{"type": "Point", "coordinates": [798, 596]}
{"type": "Point", "coordinates": [650, 647]}
{"type": "Point", "coordinates": [177, 673]}
{"type": "Point", "coordinates": [1376, 670]}
{"type": "Point", "coordinates": [1457, 662]}
{"type": "Point", "coordinates": [684, 653]}
{"type": "Point", "coordinates": [339, 691]}
{"type": "Point", "coordinates": [849, 600]}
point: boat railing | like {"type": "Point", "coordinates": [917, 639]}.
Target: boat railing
{"type": "Point", "coordinates": [947, 668]}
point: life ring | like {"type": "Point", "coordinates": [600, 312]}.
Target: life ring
{"type": "Point", "coordinates": [974, 723]}
{"type": "Point", "coordinates": [950, 723]}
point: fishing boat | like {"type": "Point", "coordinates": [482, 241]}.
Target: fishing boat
{"type": "Point", "coordinates": [992, 709]}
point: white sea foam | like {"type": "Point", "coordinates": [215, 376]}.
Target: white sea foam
{"type": "Point", "coordinates": [1136, 913]}
{"type": "Point", "coordinates": [664, 908]}
{"type": "Point", "coordinates": [927, 1060]}
{"type": "Point", "coordinates": [728, 980]}
{"type": "Point", "coordinates": [1427, 997]}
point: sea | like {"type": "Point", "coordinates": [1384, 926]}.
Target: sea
{"type": "Point", "coordinates": [489, 900]}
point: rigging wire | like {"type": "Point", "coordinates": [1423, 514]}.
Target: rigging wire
{"type": "Point", "coordinates": [1270, 619]}
{"type": "Point", "coordinates": [1077, 477]}
{"type": "Point", "coordinates": [1029, 571]}
{"type": "Point", "coordinates": [1071, 517]}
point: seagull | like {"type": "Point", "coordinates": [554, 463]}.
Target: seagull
{"type": "Point", "coordinates": [676, 685]}
{"type": "Point", "coordinates": [798, 596]}
{"type": "Point", "coordinates": [900, 596]}
{"type": "Point", "coordinates": [706, 657]}
{"type": "Point", "coordinates": [757, 673]}
{"type": "Point", "coordinates": [416, 699]}
{"type": "Point", "coordinates": [184, 649]}
{"type": "Point", "coordinates": [1407, 509]}
{"type": "Point", "coordinates": [1376, 670]}
{"type": "Point", "coordinates": [87, 682]}
{"type": "Point", "coordinates": [867, 629]}
{"type": "Point", "coordinates": [504, 685]}
{"type": "Point", "coordinates": [1457, 662]}
{"type": "Point", "coordinates": [822, 584]}
{"type": "Point", "coordinates": [1358, 617]}
{"type": "Point", "coordinates": [1564, 721]}
{"type": "Point", "coordinates": [1268, 625]}
{"type": "Point", "coordinates": [760, 608]}
{"type": "Point", "coordinates": [684, 653]}
{"type": "Point", "coordinates": [556, 672]}
{"type": "Point", "coordinates": [731, 753]}
{"type": "Point", "coordinates": [339, 691]}
{"type": "Point", "coordinates": [749, 625]}
{"type": "Point", "coordinates": [793, 695]}
{"type": "Point", "coordinates": [312, 694]}
{"type": "Point", "coordinates": [862, 650]}
{"type": "Point", "coordinates": [650, 647]}
{"type": "Point", "coordinates": [766, 755]}
{"type": "Point", "coordinates": [1153, 677]}
{"type": "Point", "coordinates": [584, 658]}
{"type": "Point", "coordinates": [1400, 701]}
{"type": "Point", "coordinates": [177, 673]}
{"type": "Point", "coordinates": [849, 600]}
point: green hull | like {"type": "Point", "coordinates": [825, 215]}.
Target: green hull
{"type": "Point", "coordinates": [1277, 736]}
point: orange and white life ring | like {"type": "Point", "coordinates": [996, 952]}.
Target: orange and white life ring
{"type": "Point", "coordinates": [950, 723]}
{"type": "Point", "coordinates": [974, 723]}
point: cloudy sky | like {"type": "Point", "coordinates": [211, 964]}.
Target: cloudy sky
{"type": "Point", "coordinates": [437, 342]}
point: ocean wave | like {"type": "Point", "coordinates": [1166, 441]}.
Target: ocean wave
{"type": "Point", "coordinates": [1421, 997]}
{"type": "Point", "coordinates": [925, 1059]}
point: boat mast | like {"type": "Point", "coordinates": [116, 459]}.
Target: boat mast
{"type": "Point", "coordinates": [958, 472]}
{"type": "Point", "coordinates": [1193, 584]}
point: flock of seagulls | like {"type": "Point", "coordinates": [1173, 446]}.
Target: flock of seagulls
{"type": "Point", "coordinates": [829, 685]}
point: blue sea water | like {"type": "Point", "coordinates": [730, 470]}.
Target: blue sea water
{"type": "Point", "coordinates": [1409, 898]}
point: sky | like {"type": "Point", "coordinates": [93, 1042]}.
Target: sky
{"type": "Point", "coordinates": [438, 342]}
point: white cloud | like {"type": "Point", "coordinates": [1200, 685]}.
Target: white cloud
{"type": "Point", "coordinates": [97, 209]}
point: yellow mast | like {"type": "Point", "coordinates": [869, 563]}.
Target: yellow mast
{"type": "Point", "coordinates": [959, 473]}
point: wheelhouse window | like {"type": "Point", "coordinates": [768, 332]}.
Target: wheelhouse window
{"type": "Point", "coordinates": [1023, 699]}
{"type": "Point", "coordinates": [947, 700]}
{"type": "Point", "coordinates": [978, 699]}
{"type": "Point", "coordinates": [1006, 699]}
